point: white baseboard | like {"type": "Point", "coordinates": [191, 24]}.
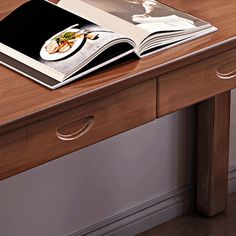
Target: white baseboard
{"type": "Point", "coordinates": [151, 213]}
{"type": "Point", "coordinates": [144, 216]}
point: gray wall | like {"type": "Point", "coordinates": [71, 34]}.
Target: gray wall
{"type": "Point", "coordinates": [98, 182]}
{"type": "Point", "coordinates": [233, 130]}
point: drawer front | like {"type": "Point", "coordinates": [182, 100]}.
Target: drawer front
{"type": "Point", "coordinates": [196, 82]}
{"type": "Point", "coordinates": [79, 127]}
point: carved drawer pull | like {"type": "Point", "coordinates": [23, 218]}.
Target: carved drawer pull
{"type": "Point", "coordinates": [227, 71]}
{"type": "Point", "coordinates": [75, 129]}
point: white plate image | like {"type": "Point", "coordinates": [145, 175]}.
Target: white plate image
{"type": "Point", "coordinates": [59, 55]}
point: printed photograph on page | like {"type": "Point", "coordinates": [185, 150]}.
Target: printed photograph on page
{"type": "Point", "coordinates": [150, 15]}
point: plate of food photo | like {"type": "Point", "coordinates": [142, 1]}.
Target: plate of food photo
{"type": "Point", "coordinates": [62, 44]}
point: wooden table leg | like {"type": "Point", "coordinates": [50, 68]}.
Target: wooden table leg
{"type": "Point", "coordinates": [213, 154]}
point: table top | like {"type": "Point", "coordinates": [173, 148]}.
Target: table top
{"type": "Point", "coordinates": [22, 100]}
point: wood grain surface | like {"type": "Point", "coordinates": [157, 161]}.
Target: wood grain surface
{"type": "Point", "coordinates": [23, 101]}
{"type": "Point", "coordinates": [213, 154]}
{"type": "Point", "coordinates": [194, 83]}
{"type": "Point", "coordinates": [76, 128]}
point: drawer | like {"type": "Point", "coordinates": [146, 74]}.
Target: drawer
{"type": "Point", "coordinates": [76, 128]}
{"type": "Point", "coordinates": [196, 82]}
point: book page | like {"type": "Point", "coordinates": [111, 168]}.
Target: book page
{"type": "Point", "coordinates": [139, 12]}
{"type": "Point", "coordinates": [137, 19]}
{"type": "Point", "coordinates": [53, 40]}
{"type": "Point", "coordinates": [96, 12]}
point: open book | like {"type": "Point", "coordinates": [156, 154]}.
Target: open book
{"type": "Point", "coordinates": [56, 44]}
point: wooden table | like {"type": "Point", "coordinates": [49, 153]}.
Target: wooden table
{"type": "Point", "coordinates": [38, 125]}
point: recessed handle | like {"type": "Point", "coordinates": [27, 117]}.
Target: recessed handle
{"type": "Point", "coordinates": [227, 71]}
{"type": "Point", "coordinates": [76, 129]}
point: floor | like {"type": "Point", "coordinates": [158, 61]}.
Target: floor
{"type": "Point", "coordinates": [197, 225]}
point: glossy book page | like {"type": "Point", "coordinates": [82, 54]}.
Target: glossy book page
{"type": "Point", "coordinates": [53, 37]}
